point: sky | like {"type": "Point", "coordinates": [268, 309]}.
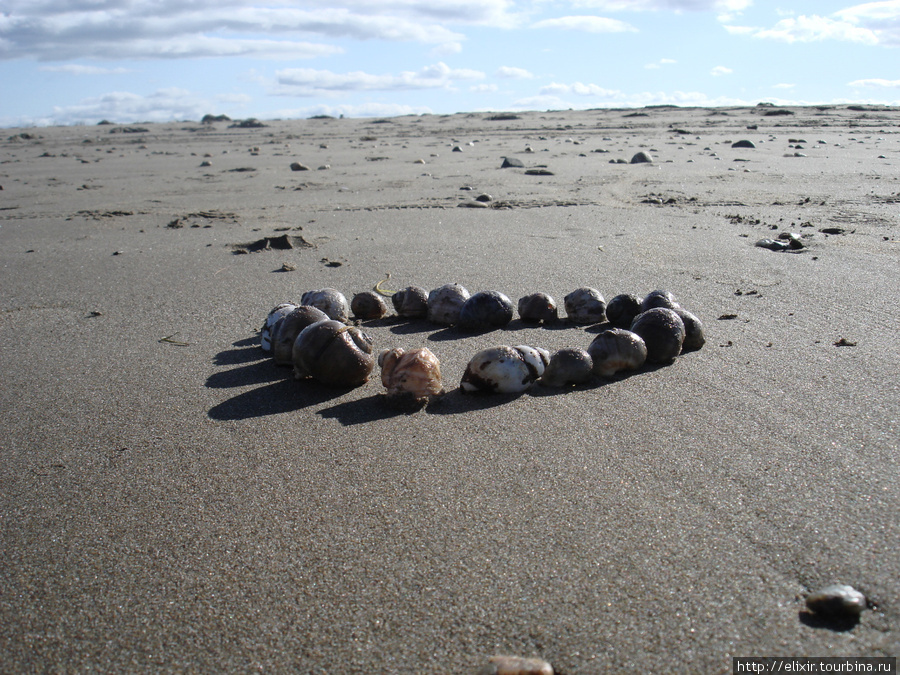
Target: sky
{"type": "Point", "coordinates": [65, 62]}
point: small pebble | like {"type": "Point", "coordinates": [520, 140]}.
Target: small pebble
{"type": "Point", "coordinates": [515, 665]}
{"type": "Point", "coordinates": [837, 602]}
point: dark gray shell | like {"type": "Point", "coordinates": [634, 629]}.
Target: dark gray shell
{"type": "Point", "coordinates": [411, 302]}
{"type": "Point", "coordinates": [568, 367]}
{"type": "Point", "coordinates": [694, 338]}
{"type": "Point", "coordinates": [486, 310]}
{"type": "Point", "coordinates": [538, 307]}
{"type": "Point", "coordinates": [330, 301]}
{"type": "Point", "coordinates": [585, 306]}
{"type": "Point", "coordinates": [334, 354]}
{"type": "Point", "coordinates": [837, 603]}
{"type": "Point", "coordinates": [622, 309]}
{"type": "Point", "coordinates": [662, 331]}
{"type": "Point", "coordinates": [368, 305]}
{"type": "Point", "coordinates": [288, 328]}
{"type": "Point", "coordinates": [445, 304]}
{"type": "Point", "coordinates": [659, 299]}
{"type": "Point", "coordinates": [615, 350]}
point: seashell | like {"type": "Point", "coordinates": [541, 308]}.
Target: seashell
{"type": "Point", "coordinates": [659, 299]}
{"type": "Point", "coordinates": [368, 305]}
{"type": "Point", "coordinates": [445, 303]}
{"type": "Point", "coordinates": [411, 378]}
{"type": "Point", "coordinates": [622, 309]}
{"type": "Point", "coordinates": [286, 331]}
{"type": "Point", "coordinates": [265, 333]}
{"type": "Point", "coordinates": [585, 305]}
{"type": "Point", "coordinates": [663, 332]}
{"type": "Point", "coordinates": [538, 307]}
{"type": "Point", "coordinates": [504, 370]}
{"type": "Point", "coordinates": [486, 310]}
{"type": "Point", "coordinates": [837, 603]}
{"type": "Point", "coordinates": [693, 331]}
{"type": "Point", "coordinates": [568, 366]}
{"type": "Point", "coordinates": [515, 665]}
{"type": "Point", "coordinates": [615, 350]}
{"type": "Point", "coordinates": [411, 302]}
{"type": "Point", "coordinates": [330, 301]}
{"type": "Point", "coordinates": [333, 353]}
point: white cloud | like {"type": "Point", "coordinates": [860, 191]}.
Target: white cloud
{"type": "Point", "coordinates": [310, 82]}
{"type": "Point", "coordinates": [783, 85]}
{"type": "Point", "coordinates": [741, 30]}
{"type": "Point", "coordinates": [666, 5]}
{"type": "Point", "coordinates": [590, 24]}
{"type": "Point", "coordinates": [881, 18]}
{"type": "Point", "coordinates": [484, 88]}
{"type": "Point", "coordinates": [163, 105]}
{"type": "Point", "coordinates": [659, 64]}
{"type": "Point", "coordinates": [116, 29]}
{"type": "Point", "coordinates": [362, 110]}
{"type": "Point", "coordinates": [578, 89]}
{"type": "Point", "coordinates": [513, 73]}
{"type": "Point", "coordinates": [720, 70]}
{"type": "Point", "coordinates": [816, 28]}
{"type": "Point", "coordinates": [875, 83]}
{"type": "Point", "coordinates": [77, 69]}
{"type": "Point", "coordinates": [446, 49]}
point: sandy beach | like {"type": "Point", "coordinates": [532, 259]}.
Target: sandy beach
{"type": "Point", "coordinates": [173, 501]}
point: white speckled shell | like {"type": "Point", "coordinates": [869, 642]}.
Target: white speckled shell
{"type": "Point", "coordinates": [504, 370]}
{"type": "Point", "coordinates": [281, 311]}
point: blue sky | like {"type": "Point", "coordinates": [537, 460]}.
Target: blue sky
{"type": "Point", "coordinates": [81, 61]}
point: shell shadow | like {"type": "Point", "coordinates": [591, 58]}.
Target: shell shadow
{"type": "Point", "coordinates": [364, 410]}
{"type": "Point", "coordinates": [838, 624]}
{"type": "Point", "coordinates": [411, 326]}
{"type": "Point", "coordinates": [254, 373]}
{"type": "Point", "coordinates": [279, 397]}
{"type": "Point", "coordinates": [456, 403]}
{"type": "Point", "coordinates": [246, 342]}
{"type": "Point", "coordinates": [232, 357]}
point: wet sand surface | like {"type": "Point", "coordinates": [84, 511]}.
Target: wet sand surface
{"type": "Point", "coordinates": [173, 501]}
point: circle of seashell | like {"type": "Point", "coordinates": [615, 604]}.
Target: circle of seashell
{"type": "Point", "coordinates": [319, 340]}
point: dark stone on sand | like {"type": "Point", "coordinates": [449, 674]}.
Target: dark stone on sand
{"type": "Point", "coordinates": [773, 244]}
{"type": "Point", "coordinates": [642, 158]}
{"type": "Point", "coordinates": [251, 123]}
{"type": "Point", "coordinates": [743, 144]}
{"type": "Point", "coordinates": [512, 162]}
{"type": "Point", "coordinates": [282, 242]}
{"type": "Point", "coordinates": [483, 198]}
{"type": "Point", "coordinates": [837, 603]}
{"type": "Point", "coordinates": [832, 230]}
{"type": "Point", "coordinates": [538, 172]}
{"type": "Point", "coordinates": [297, 166]}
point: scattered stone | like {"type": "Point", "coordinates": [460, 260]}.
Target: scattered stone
{"type": "Point", "coordinates": [844, 342]}
{"type": "Point", "coordinates": [792, 239]}
{"type": "Point", "coordinates": [419, 161]}
{"type": "Point", "coordinates": [325, 167]}
{"type": "Point", "coordinates": [282, 242]}
{"type": "Point", "coordinates": [727, 317]}
{"type": "Point", "coordinates": [205, 162]}
{"type": "Point", "coordinates": [743, 144]}
{"type": "Point", "coordinates": [642, 158]}
{"type": "Point", "coordinates": [538, 172]}
{"type": "Point", "coordinates": [287, 267]}
{"type": "Point", "coordinates": [515, 665]}
{"type": "Point", "coordinates": [773, 244]}
{"type": "Point", "coordinates": [297, 166]}
{"type": "Point", "coordinates": [484, 198]}
{"type": "Point", "coordinates": [473, 205]}
{"type": "Point", "coordinates": [456, 148]}
{"type": "Point", "coordinates": [837, 603]}
{"type": "Point", "coordinates": [512, 162]}
{"type": "Point", "coordinates": [242, 169]}
{"type": "Point", "coordinates": [832, 230]}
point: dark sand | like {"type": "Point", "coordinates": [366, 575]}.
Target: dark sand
{"type": "Point", "coordinates": [190, 508]}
